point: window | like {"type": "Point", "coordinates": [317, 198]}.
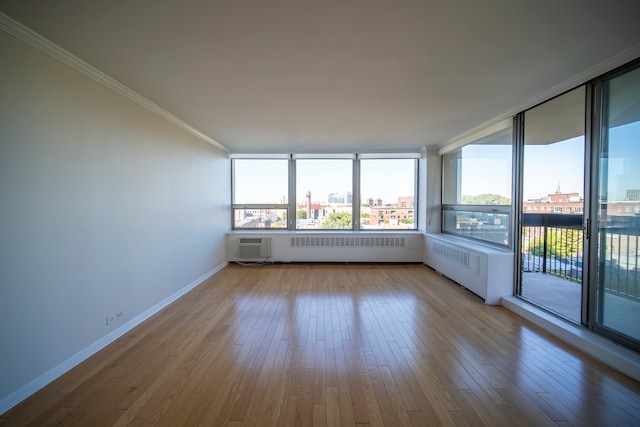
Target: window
{"type": "Point", "coordinates": [324, 193]}
{"type": "Point", "coordinates": [388, 194]}
{"type": "Point", "coordinates": [260, 193]}
{"type": "Point", "coordinates": [615, 285]}
{"type": "Point", "coordinates": [476, 186]}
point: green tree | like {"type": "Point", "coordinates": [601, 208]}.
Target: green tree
{"type": "Point", "coordinates": [301, 214]}
{"type": "Point", "coordinates": [563, 243]}
{"type": "Point", "coordinates": [486, 199]}
{"type": "Point", "coordinates": [338, 220]}
{"type": "Point", "coordinates": [537, 247]}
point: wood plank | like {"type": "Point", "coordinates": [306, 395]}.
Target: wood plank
{"type": "Point", "coordinates": [334, 345]}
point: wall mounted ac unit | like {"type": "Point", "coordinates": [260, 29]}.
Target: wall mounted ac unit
{"type": "Point", "coordinates": [253, 247]}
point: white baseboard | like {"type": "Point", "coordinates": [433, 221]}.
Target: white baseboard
{"type": "Point", "coordinates": [33, 386]}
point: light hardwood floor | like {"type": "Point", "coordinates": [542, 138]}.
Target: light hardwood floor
{"type": "Point", "coordinates": [334, 345]}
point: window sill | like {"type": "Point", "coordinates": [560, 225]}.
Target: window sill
{"type": "Point", "coordinates": [267, 231]}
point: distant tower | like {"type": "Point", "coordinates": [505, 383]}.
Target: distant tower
{"type": "Point", "coordinates": [558, 189]}
{"type": "Point", "coordinates": [308, 204]}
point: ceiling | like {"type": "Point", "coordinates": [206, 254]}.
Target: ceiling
{"type": "Point", "coordinates": [338, 75]}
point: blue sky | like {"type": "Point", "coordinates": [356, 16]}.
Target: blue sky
{"type": "Point", "coordinates": [624, 160]}
{"type": "Point", "coordinates": [545, 166]}
{"type": "Point", "coordinates": [265, 181]}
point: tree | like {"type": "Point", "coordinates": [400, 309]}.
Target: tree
{"type": "Point", "coordinates": [565, 242]}
{"type": "Point", "coordinates": [301, 214]}
{"type": "Point", "coordinates": [561, 243]}
{"type": "Point", "coordinates": [338, 220]}
{"type": "Point", "coordinates": [537, 247]}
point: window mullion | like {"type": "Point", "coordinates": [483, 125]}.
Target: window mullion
{"type": "Point", "coordinates": [355, 200]}
{"type": "Point", "coordinates": [292, 194]}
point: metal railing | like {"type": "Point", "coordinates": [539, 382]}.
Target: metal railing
{"type": "Point", "coordinates": [619, 264]}
{"type": "Point", "coordinates": [553, 244]}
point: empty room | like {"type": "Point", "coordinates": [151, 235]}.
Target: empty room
{"type": "Point", "coordinates": [251, 213]}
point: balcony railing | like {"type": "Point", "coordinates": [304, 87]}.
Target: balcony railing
{"type": "Point", "coordinates": [619, 262]}
{"type": "Point", "coordinates": [553, 244]}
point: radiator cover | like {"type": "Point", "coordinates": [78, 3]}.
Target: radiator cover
{"type": "Point", "coordinates": [484, 270]}
{"type": "Point", "coordinates": [328, 246]}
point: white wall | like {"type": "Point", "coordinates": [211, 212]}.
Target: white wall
{"type": "Point", "coordinates": [422, 192]}
{"type": "Point", "coordinates": [433, 190]}
{"type": "Point", "coordinates": [104, 208]}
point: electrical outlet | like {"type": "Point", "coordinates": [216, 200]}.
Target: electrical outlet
{"type": "Point", "coordinates": [113, 317]}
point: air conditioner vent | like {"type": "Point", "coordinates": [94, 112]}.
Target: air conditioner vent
{"type": "Point", "coordinates": [253, 247]}
{"type": "Point", "coordinates": [454, 254]}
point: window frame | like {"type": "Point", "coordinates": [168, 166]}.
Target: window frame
{"type": "Point", "coordinates": [325, 157]}
{"type": "Point", "coordinates": [416, 183]}
{"type": "Point", "coordinates": [507, 210]}
{"type": "Point", "coordinates": [291, 206]}
{"type": "Point", "coordinates": [258, 206]}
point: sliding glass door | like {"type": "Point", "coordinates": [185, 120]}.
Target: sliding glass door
{"type": "Point", "coordinates": [616, 232]}
{"type": "Point", "coordinates": [551, 236]}
{"type": "Point", "coordinates": [577, 163]}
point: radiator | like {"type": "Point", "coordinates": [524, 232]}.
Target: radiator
{"type": "Point", "coordinates": [452, 253]}
{"type": "Point", "coordinates": [484, 270]}
{"type": "Point", "coordinates": [345, 242]}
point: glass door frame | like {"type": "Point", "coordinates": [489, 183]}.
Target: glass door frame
{"type": "Point", "coordinates": [518, 198]}
{"type": "Point", "coordinates": [595, 122]}
{"type": "Point", "coordinates": [596, 116]}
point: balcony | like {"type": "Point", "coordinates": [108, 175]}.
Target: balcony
{"type": "Point", "coordinates": [552, 264]}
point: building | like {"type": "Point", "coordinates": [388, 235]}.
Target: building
{"type": "Point", "coordinates": [406, 202]}
{"type": "Point", "coordinates": [115, 190]}
{"type": "Point", "coordinates": [256, 218]}
{"type": "Point", "coordinates": [392, 216]}
{"type": "Point", "coordinates": [336, 198]}
{"type": "Point", "coordinates": [316, 212]}
{"type": "Point", "coordinates": [573, 203]}
{"type": "Point", "coordinates": [633, 194]}
{"type": "Point", "coordinates": [557, 203]}
{"type": "Point", "coordinates": [374, 202]}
